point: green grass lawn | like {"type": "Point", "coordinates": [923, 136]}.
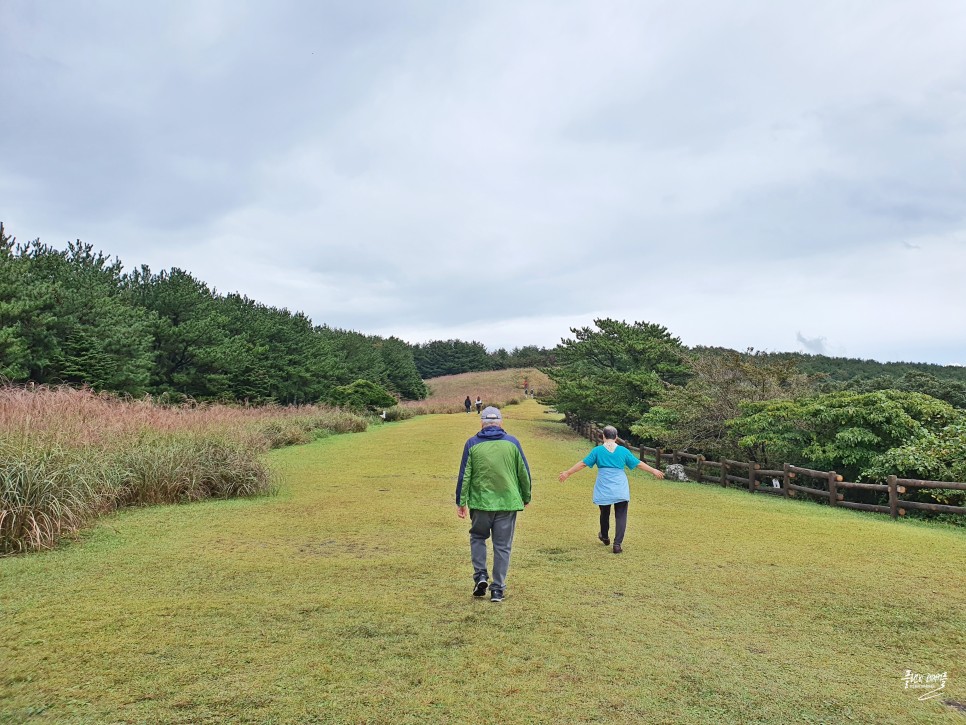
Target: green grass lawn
{"type": "Point", "coordinates": [346, 598]}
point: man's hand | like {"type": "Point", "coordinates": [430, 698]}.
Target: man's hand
{"type": "Point", "coordinates": [461, 511]}
{"type": "Point", "coordinates": [656, 473]}
{"type": "Point", "coordinates": [563, 476]}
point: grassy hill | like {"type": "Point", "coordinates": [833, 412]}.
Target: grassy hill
{"type": "Point", "coordinates": [346, 598]}
{"type": "Point", "coordinates": [495, 387]}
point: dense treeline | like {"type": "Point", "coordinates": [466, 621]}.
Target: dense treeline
{"type": "Point", "coordinates": [832, 374]}
{"type": "Point", "coordinates": [528, 356]}
{"type": "Point", "coordinates": [73, 316]}
{"type": "Point", "coordinates": [452, 357]}
{"type": "Point", "coordinates": [844, 369]}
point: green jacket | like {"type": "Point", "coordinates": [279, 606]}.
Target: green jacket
{"type": "Point", "coordinates": [494, 473]}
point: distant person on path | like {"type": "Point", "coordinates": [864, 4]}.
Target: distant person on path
{"type": "Point", "coordinates": [493, 484]}
{"type": "Point", "coordinates": [611, 487]}
{"type": "Point", "coordinates": [479, 404]}
{"type": "Point", "coordinates": [468, 404]}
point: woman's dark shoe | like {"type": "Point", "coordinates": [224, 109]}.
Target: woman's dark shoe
{"type": "Point", "coordinates": [604, 539]}
{"type": "Point", "coordinates": [617, 549]}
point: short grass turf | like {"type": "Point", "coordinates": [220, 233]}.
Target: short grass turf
{"type": "Point", "coordinates": [346, 598]}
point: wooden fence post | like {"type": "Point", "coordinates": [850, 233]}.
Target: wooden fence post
{"type": "Point", "coordinates": [833, 489]}
{"type": "Point", "coordinates": [657, 458]}
{"type": "Point", "coordinates": [674, 456]}
{"type": "Point", "coordinates": [699, 472]}
{"type": "Point", "coordinates": [786, 480]}
{"type": "Point", "coordinates": [752, 484]}
{"type": "Point", "coordinates": [724, 471]}
{"type": "Point", "coordinates": [893, 482]}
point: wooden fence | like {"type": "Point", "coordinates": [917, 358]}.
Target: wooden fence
{"type": "Point", "coordinates": [788, 480]}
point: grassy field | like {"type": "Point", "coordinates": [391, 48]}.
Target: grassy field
{"type": "Point", "coordinates": [346, 598]}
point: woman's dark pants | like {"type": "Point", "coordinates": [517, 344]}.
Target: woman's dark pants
{"type": "Point", "coordinates": [620, 516]}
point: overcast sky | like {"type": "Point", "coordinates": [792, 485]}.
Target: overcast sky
{"type": "Point", "coordinates": [781, 175]}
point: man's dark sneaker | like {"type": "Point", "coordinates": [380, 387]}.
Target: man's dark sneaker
{"type": "Point", "coordinates": [605, 540]}
{"type": "Point", "coordinates": [617, 549]}
{"type": "Point", "coordinates": [496, 596]}
{"type": "Point", "coordinates": [480, 589]}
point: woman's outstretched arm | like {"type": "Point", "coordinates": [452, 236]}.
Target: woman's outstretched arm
{"type": "Point", "coordinates": [572, 470]}
{"type": "Point", "coordinates": [653, 471]}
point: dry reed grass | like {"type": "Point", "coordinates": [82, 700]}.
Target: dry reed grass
{"type": "Point", "coordinates": [83, 418]}
{"type": "Point", "coordinates": [69, 455]}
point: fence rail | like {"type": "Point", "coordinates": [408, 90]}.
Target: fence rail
{"type": "Point", "coordinates": [790, 479]}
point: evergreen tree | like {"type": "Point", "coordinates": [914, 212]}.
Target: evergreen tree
{"type": "Point", "coordinates": [14, 353]}
{"type": "Point", "coordinates": [63, 319]}
{"type": "Point", "coordinates": [190, 342]}
{"type": "Point", "coordinates": [613, 373]}
{"type": "Point", "coordinates": [450, 357]}
{"type": "Point", "coordinates": [401, 375]}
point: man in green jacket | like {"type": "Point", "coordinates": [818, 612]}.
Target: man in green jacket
{"type": "Point", "coordinates": [494, 483]}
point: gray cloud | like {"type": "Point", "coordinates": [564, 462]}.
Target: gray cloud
{"type": "Point", "coordinates": [379, 164]}
{"type": "Point", "coordinates": [814, 345]}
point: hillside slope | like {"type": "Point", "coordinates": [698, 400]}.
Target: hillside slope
{"type": "Point", "coordinates": [495, 387]}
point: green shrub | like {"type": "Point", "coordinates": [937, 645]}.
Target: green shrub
{"type": "Point", "coordinates": [842, 431]}
{"type": "Point", "coordinates": [930, 456]}
{"type": "Point", "coordinates": [362, 395]}
{"type": "Point", "coordinates": [397, 412]}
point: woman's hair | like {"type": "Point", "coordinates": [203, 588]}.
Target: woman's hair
{"type": "Point", "coordinates": [610, 432]}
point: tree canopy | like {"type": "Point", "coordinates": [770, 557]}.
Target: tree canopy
{"type": "Point", "coordinates": [74, 316]}
{"type": "Point", "coordinates": [844, 431]}
{"type": "Point", "coordinates": [695, 416]}
{"type": "Point", "coordinates": [613, 372]}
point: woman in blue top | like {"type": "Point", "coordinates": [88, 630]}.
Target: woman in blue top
{"type": "Point", "coordinates": [611, 487]}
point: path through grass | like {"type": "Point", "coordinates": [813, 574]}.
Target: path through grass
{"type": "Point", "coordinates": [346, 598]}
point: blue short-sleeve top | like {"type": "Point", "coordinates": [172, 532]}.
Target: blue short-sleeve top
{"type": "Point", "coordinates": [611, 485]}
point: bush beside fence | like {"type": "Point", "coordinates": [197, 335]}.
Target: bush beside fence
{"type": "Point", "coordinates": [789, 478]}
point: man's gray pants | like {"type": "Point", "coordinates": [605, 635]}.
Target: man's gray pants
{"type": "Point", "coordinates": [499, 524]}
